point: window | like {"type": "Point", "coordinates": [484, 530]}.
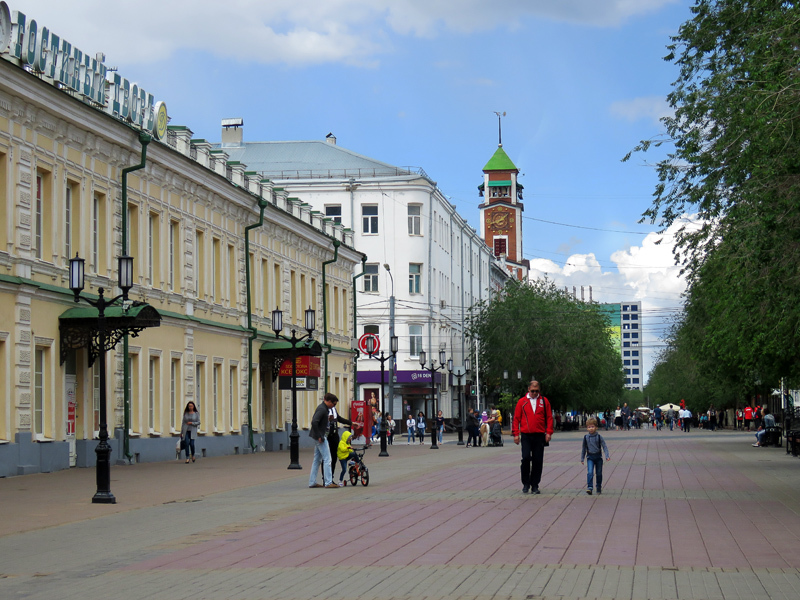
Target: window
{"type": "Point", "coordinates": [174, 232]}
{"type": "Point", "coordinates": [634, 317]}
{"type": "Point", "coordinates": [634, 308]}
{"type": "Point", "coordinates": [626, 335]}
{"type": "Point", "coordinates": [232, 395]}
{"type": "Point", "coordinates": [68, 220]}
{"type": "Point", "coordinates": [635, 371]}
{"type": "Point", "coordinates": [636, 380]}
{"type": "Point", "coordinates": [626, 344]}
{"type": "Point", "coordinates": [635, 353]}
{"type": "Point", "coordinates": [626, 317]}
{"type": "Point", "coordinates": [371, 278]}
{"type": "Point", "coordinates": [37, 218]}
{"type": "Point", "coordinates": [500, 246]}
{"type": "Point", "coordinates": [414, 219]}
{"type": "Point", "coordinates": [199, 264]}
{"type": "Point", "coordinates": [373, 329]}
{"type": "Point", "coordinates": [626, 353]}
{"type": "Point", "coordinates": [152, 393]}
{"type": "Point", "coordinates": [215, 382]}
{"type": "Point", "coordinates": [174, 392]}
{"type": "Point", "coordinates": [626, 362]}
{"type": "Point", "coordinates": [199, 388]}
{"type": "Point", "coordinates": [414, 278]}
{"type": "Point", "coordinates": [334, 212]}
{"type": "Point", "coordinates": [153, 246]}
{"type": "Point", "coordinates": [415, 337]}
{"type": "Point", "coordinates": [635, 361]}
{"type": "Point", "coordinates": [216, 269]}
{"type": "Point", "coordinates": [369, 219]}
{"type": "Point", "coordinates": [634, 335]}
{"type": "Point", "coordinates": [625, 307]}
{"type": "Point", "coordinates": [634, 326]}
{"type": "Point", "coordinates": [38, 392]}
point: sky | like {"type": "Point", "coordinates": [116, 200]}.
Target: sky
{"type": "Point", "coordinates": [418, 83]}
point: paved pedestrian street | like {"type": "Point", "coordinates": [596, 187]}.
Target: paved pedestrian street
{"type": "Point", "coordinates": [697, 515]}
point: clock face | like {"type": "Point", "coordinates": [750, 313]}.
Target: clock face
{"type": "Point", "coordinates": [499, 220]}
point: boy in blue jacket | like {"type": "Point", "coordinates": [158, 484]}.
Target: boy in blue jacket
{"type": "Point", "coordinates": [593, 447]}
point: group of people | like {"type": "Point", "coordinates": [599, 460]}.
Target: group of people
{"type": "Point", "coordinates": [416, 427]}
{"type": "Point", "coordinates": [480, 426]}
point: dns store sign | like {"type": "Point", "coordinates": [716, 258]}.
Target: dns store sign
{"type": "Point", "coordinates": [26, 43]}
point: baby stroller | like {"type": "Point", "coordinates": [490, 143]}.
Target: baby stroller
{"type": "Point", "coordinates": [358, 470]}
{"type": "Point", "coordinates": [496, 434]}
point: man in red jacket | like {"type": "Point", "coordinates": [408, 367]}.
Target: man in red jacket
{"type": "Point", "coordinates": [533, 426]}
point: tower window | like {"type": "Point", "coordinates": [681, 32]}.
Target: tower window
{"type": "Point", "coordinates": [500, 246]}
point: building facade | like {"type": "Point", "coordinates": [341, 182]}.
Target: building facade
{"type": "Point", "coordinates": [439, 267]}
{"type": "Point", "coordinates": [216, 250]}
{"type": "Point", "coordinates": [626, 333]}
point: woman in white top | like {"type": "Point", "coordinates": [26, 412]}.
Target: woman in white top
{"type": "Point", "coordinates": [412, 426]}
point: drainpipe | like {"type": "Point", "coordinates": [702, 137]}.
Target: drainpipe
{"type": "Point", "coordinates": [262, 204]}
{"type": "Point", "coordinates": [145, 139]}
{"type": "Point", "coordinates": [326, 346]}
{"type": "Point", "coordinates": [355, 329]}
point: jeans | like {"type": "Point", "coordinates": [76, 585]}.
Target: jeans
{"type": "Point", "coordinates": [343, 462]}
{"type": "Point", "coordinates": [189, 441]}
{"type": "Point", "coordinates": [410, 435]}
{"type": "Point", "coordinates": [322, 454]}
{"type": "Point", "coordinates": [441, 431]}
{"type": "Point", "coordinates": [594, 465]}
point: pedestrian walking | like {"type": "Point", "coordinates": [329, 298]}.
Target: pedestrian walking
{"type": "Point", "coordinates": [411, 425]}
{"type": "Point", "coordinates": [322, 452]}
{"type": "Point", "coordinates": [390, 425]}
{"type": "Point", "coordinates": [592, 450]}
{"type": "Point", "coordinates": [687, 419]}
{"type": "Point", "coordinates": [532, 427]}
{"type": "Point", "coordinates": [189, 424]}
{"type": "Point", "coordinates": [440, 425]}
{"type": "Point", "coordinates": [472, 427]}
{"type": "Point", "coordinates": [420, 425]}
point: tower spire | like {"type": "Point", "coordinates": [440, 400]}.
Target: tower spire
{"type": "Point", "coordinates": [499, 128]}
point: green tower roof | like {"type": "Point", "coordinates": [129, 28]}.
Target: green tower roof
{"type": "Point", "coordinates": [500, 162]}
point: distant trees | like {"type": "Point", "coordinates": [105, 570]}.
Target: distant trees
{"type": "Point", "coordinates": [544, 333]}
{"type": "Point", "coordinates": [735, 161]}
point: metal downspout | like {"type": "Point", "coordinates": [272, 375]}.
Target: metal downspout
{"type": "Point", "coordinates": [145, 139]}
{"type": "Point", "coordinates": [355, 329]}
{"type": "Point", "coordinates": [325, 344]}
{"type": "Point", "coordinates": [262, 204]}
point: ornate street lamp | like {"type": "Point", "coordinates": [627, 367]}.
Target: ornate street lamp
{"type": "Point", "coordinates": [460, 375]}
{"type": "Point", "coordinates": [103, 494]}
{"type": "Point", "coordinates": [277, 327]}
{"type": "Point", "coordinates": [433, 369]}
{"type": "Point", "coordinates": [370, 341]}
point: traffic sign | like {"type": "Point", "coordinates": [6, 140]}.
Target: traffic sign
{"type": "Point", "coordinates": [362, 343]}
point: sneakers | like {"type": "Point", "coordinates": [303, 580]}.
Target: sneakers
{"type": "Point", "coordinates": [342, 483]}
{"type": "Point", "coordinates": [536, 490]}
{"type": "Point", "coordinates": [756, 445]}
{"type": "Point", "coordinates": [525, 489]}
{"type": "Point", "coordinates": [589, 491]}
{"type": "Point", "coordinates": [316, 485]}
{"type": "Point", "coordinates": [332, 486]}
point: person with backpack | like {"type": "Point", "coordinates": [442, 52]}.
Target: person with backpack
{"type": "Point", "coordinates": [592, 450]}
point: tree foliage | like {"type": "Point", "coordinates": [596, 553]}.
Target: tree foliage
{"type": "Point", "coordinates": [548, 335]}
{"type": "Point", "coordinates": [735, 162]}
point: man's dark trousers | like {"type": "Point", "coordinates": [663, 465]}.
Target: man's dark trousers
{"type": "Point", "coordinates": [532, 459]}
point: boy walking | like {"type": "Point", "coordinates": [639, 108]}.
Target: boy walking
{"type": "Point", "coordinates": [593, 447]}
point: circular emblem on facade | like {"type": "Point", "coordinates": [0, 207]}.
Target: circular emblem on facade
{"type": "Point", "coordinates": [499, 220]}
{"type": "Point", "coordinates": [160, 127]}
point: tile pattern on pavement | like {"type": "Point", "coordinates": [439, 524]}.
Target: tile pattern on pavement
{"type": "Point", "coordinates": [681, 516]}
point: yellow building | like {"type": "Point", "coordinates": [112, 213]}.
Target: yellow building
{"type": "Point", "coordinates": [188, 216]}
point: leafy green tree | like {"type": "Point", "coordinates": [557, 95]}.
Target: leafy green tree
{"type": "Point", "coordinates": [546, 334]}
{"type": "Point", "coordinates": [735, 163]}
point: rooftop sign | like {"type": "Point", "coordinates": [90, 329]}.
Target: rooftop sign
{"type": "Point", "coordinates": [24, 42]}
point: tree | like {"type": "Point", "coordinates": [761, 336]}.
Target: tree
{"type": "Point", "coordinates": [545, 333]}
{"type": "Point", "coordinates": [735, 162]}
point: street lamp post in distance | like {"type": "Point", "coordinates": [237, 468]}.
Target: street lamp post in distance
{"type": "Point", "coordinates": [277, 327]}
{"type": "Point", "coordinates": [461, 375]}
{"type": "Point", "coordinates": [433, 369]}
{"type": "Point", "coordinates": [393, 342]}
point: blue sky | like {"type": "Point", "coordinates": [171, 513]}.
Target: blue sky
{"type": "Point", "coordinates": [416, 83]}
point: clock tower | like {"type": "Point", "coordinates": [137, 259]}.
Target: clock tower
{"type": "Point", "coordinates": [501, 212]}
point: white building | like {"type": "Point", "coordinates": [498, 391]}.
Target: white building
{"type": "Point", "coordinates": [438, 265]}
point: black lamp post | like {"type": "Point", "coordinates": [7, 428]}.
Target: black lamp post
{"type": "Point", "coordinates": [277, 327]}
{"type": "Point", "coordinates": [460, 375]}
{"type": "Point", "coordinates": [433, 369]}
{"type": "Point", "coordinates": [371, 353]}
{"type": "Point", "coordinates": [103, 494]}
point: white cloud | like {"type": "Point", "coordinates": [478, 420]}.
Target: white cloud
{"type": "Point", "coordinates": [296, 31]}
{"type": "Point", "coordinates": [646, 272]}
{"type": "Point", "coordinates": [651, 107]}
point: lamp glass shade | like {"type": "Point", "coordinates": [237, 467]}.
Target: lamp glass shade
{"type": "Point", "coordinates": [394, 344]}
{"type": "Point", "coordinates": [76, 274]}
{"type": "Point", "coordinates": [519, 374]}
{"type": "Point", "coordinates": [125, 273]}
{"type": "Point", "coordinates": [422, 357]}
{"type": "Point", "coordinates": [311, 319]}
{"type": "Point", "coordinates": [505, 374]}
{"type": "Point", "coordinates": [370, 342]}
{"type": "Point", "coordinates": [467, 364]}
{"type": "Point", "coordinates": [277, 320]}
{"type": "Point", "coordinates": [442, 357]}
{"type": "Point", "coordinates": [449, 364]}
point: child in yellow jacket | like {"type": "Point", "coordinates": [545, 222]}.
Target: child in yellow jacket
{"type": "Point", "coordinates": [344, 453]}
